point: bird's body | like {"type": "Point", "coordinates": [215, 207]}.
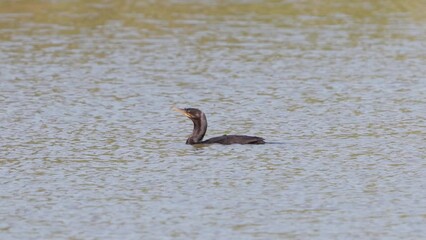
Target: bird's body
{"type": "Point", "coordinates": [235, 139]}
{"type": "Point", "coordinates": [200, 127]}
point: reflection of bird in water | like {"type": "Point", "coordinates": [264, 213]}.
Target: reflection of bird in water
{"type": "Point", "coordinates": [200, 127]}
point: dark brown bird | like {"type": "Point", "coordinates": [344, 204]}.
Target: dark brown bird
{"type": "Point", "coordinates": [200, 127]}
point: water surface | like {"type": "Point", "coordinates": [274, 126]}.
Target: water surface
{"type": "Point", "coordinates": [90, 148]}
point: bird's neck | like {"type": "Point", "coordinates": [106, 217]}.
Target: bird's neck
{"type": "Point", "coordinates": [200, 128]}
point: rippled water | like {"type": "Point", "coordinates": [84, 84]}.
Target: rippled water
{"type": "Point", "coordinates": [90, 148]}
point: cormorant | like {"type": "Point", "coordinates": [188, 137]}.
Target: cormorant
{"type": "Point", "coordinates": [200, 127]}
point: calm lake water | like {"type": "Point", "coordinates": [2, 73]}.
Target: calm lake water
{"type": "Point", "coordinates": [90, 148]}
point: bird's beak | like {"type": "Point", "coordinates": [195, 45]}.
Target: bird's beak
{"type": "Point", "coordinates": [182, 111]}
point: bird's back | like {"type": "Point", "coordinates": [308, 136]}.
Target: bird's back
{"type": "Point", "coordinates": [235, 139]}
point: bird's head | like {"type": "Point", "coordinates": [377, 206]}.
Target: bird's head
{"type": "Point", "coordinates": [200, 123]}
{"type": "Point", "coordinates": [191, 113]}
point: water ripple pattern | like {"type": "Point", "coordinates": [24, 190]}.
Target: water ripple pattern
{"type": "Point", "coordinates": [90, 148]}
